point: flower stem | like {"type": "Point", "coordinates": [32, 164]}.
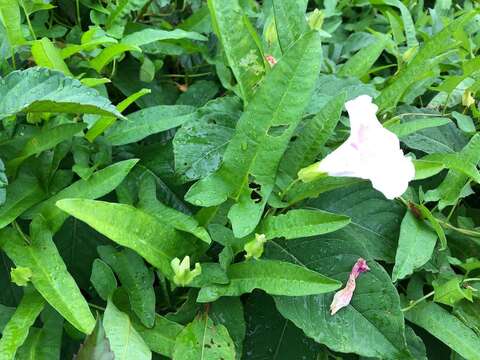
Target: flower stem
{"type": "Point", "coordinates": [416, 302]}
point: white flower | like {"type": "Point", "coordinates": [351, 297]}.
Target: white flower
{"type": "Point", "coordinates": [371, 152]}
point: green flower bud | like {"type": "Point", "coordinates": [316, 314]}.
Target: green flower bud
{"type": "Point", "coordinates": [315, 19]}
{"type": "Point", "coordinates": [21, 275]}
{"type": "Point", "coordinates": [311, 173]}
{"type": "Point", "coordinates": [183, 275]}
{"type": "Point", "coordinates": [255, 247]}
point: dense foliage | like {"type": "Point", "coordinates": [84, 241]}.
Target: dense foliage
{"type": "Point", "coordinates": [149, 201]}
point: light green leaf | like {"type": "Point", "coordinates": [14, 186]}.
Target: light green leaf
{"type": "Point", "coordinates": [118, 18]}
{"type": "Point", "coordinates": [428, 56]}
{"type": "Point", "coordinates": [125, 341]}
{"type": "Point", "coordinates": [109, 54]}
{"type": "Point", "coordinates": [20, 275]}
{"type": "Point", "coordinates": [136, 279]}
{"type": "Point", "coordinates": [12, 21]}
{"type": "Point", "coordinates": [99, 184]}
{"type": "Point", "coordinates": [49, 274]}
{"type": "Point", "coordinates": [449, 290]}
{"type": "Point", "coordinates": [149, 35]}
{"type": "Point", "coordinates": [447, 328]}
{"type": "Point", "coordinates": [240, 43]}
{"type": "Point", "coordinates": [301, 223]}
{"type": "Point", "coordinates": [410, 127]}
{"type": "Point", "coordinates": [372, 325]}
{"type": "Point", "coordinates": [202, 339]}
{"type": "Point", "coordinates": [273, 277]}
{"type": "Point", "coordinates": [160, 338]}
{"type": "Point", "coordinates": [105, 122]}
{"type": "Point", "coordinates": [103, 279]}
{"type": "Point", "coordinates": [16, 331]}
{"type": "Point", "coordinates": [53, 92]}
{"type": "Point", "coordinates": [155, 241]}
{"type": "Point", "coordinates": [415, 246]}
{"type": "Point", "coordinates": [149, 121]}
{"type": "Point", "coordinates": [261, 137]}
{"type": "Point", "coordinates": [361, 63]}
{"type": "Point", "coordinates": [290, 21]}
{"type": "Point", "coordinates": [46, 139]}
{"type": "Point", "coordinates": [47, 55]}
{"type": "Point", "coordinates": [309, 142]}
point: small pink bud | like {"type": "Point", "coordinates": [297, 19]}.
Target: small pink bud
{"type": "Point", "coordinates": [343, 297]}
{"type": "Point", "coordinates": [271, 60]}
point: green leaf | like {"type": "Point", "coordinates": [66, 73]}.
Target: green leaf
{"type": "Point", "coordinates": [47, 55]}
{"type": "Point", "coordinates": [273, 277]}
{"type": "Point", "coordinates": [125, 341]}
{"type": "Point", "coordinates": [261, 137]}
{"type": "Point", "coordinates": [96, 346]}
{"type": "Point", "coordinates": [200, 93]}
{"type": "Point", "coordinates": [99, 184]}
{"type": "Point", "coordinates": [105, 122]}
{"type": "Point", "coordinates": [290, 21]}
{"type": "Point", "coordinates": [309, 142]}
{"type": "Point", "coordinates": [54, 92]}
{"type": "Point", "coordinates": [49, 274]}
{"type": "Point", "coordinates": [180, 221]}
{"type": "Point", "coordinates": [12, 21]}
{"type": "Point", "coordinates": [301, 223]}
{"type": "Point", "coordinates": [149, 121]}
{"type": "Point", "coordinates": [200, 143]}
{"type": "Point", "coordinates": [371, 325]}
{"type": "Point", "coordinates": [44, 343]}
{"type": "Point", "coordinates": [103, 279]}
{"type": "Point", "coordinates": [149, 35]}
{"type": "Point", "coordinates": [410, 127]}
{"type": "Point", "coordinates": [362, 62]}
{"type": "Point", "coordinates": [240, 43]}
{"type": "Point", "coordinates": [375, 221]}
{"type": "Point", "coordinates": [16, 331]}
{"type": "Point", "coordinates": [446, 327]}
{"type": "Point", "coordinates": [156, 242]}
{"type": "Point", "coordinates": [118, 18]}
{"type": "Point", "coordinates": [21, 275]}
{"type": "Point", "coordinates": [415, 246]}
{"type": "Point", "coordinates": [449, 290]}
{"type": "Point", "coordinates": [228, 311]}
{"type": "Point", "coordinates": [109, 54]}
{"type": "Point", "coordinates": [46, 139]}
{"type": "Point", "coordinates": [202, 339]}
{"type": "Point", "coordinates": [136, 279]}
{"type": "Point", "coordinates": [160, 338]}
{"type": "Point", "coordinates": [419, 68]}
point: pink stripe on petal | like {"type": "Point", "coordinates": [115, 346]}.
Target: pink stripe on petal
{"type": "Point", "coordinates": [343, 297]}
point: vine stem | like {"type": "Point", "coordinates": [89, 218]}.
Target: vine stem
{"type": "Point", "coordinates": [416, 302]}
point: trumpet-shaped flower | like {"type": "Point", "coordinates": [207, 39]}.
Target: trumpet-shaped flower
{"type": "Point", "coordinates": [182, 273]}
{"type": "Point", "coordinates": [343, 297]}
{"type": "Point", "coordinates": [371, 152]}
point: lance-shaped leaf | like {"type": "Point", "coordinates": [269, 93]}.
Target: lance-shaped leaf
{"type": "Point", "coordinates": [12, 21]}
{"type": "Point", "coordinates": [45, 90]}
{"type": "Point", "coordinates": [149, 35]}
{"type": "Point", "coordinates": [273, 277]}
{"type": "Point", "coordinates": [99, 184]}
{"type": "Point", "coordinates": [149, 121]}
{"type": "Point", "coordinates": [125, 342]}
{"type": "Point", "coordinates": [3, 184]}
{"type": "Point", "coordinates": [156, 242]}
{"type": "Point", "coordinates": [290, 21]}
{"type": "Point", "coordinates": [447, 328]}
{"type": "Point", "coordinates": [96, 346]}
{"type": "Point", "coordinates": [17, 328]}
{"type": "Point", "coordinates": [421, 65]}
{"type": "Point", "coordinates": [47, 55]}
{"type": "Point", "coordinates": [49, 273]}
{"type": "Point", "coordinates": [118, 18]}
{"type": "Point", "coordinates": [261, 137]}
{"type": "Point", "coordinates": [372, 325]}
{"type": "Point", "coordinates": [240, 43]}
{"type": "Point", "coordinates": [301, 223]}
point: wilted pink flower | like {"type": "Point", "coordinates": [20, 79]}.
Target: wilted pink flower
{"type": "Point", "coordinates": [343, 297]}
{"type": "Point", "coordinates": [271, 60]}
